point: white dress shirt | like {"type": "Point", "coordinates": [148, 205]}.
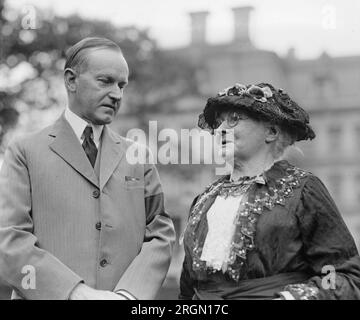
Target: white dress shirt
{"type": "Point", "coordinates": [78, 125]}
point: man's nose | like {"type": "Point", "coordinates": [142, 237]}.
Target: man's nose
{"type": "Point", "coordinates": [116, 93]}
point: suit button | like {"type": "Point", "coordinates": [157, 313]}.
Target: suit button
{"type": "Point", "coordinates": [96, 194]}
{"type": "Point", "coordinates": [103, 263]}
{"type": "Point", "coordinates": [98, 226]}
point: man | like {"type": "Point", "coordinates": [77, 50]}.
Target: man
{"type": "Point", "coordinates": [77, 221]}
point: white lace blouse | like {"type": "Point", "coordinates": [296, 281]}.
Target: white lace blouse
{"type": "Point", "coordinates": [221, 219]}
{"type": "Point", "coordinates": [221, 227]}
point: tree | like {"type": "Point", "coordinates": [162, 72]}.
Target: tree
{"type": "Point", "coordinates": [36, 49]}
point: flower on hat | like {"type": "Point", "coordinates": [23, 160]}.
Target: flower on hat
{"type": "Point", "coordinates": [256, 92]}
{"type": "Point", "coordinates": [261, 101]}
{"type": "Point", "coordinates": [267, 91]}
{"type": "Point", "coordinates": [236, 90]}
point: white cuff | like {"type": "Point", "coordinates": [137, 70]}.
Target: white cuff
{"type": "Point", "coordinates": [126, 294]}
{"type": "Point", "coordinates": [287, 295]}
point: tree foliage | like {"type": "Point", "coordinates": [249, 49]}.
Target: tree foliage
{"type": "Point", "coordinates": [36, 49]}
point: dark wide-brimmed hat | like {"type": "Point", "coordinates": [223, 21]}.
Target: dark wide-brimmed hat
{"type": "Point", "coordinates": [261, 102]}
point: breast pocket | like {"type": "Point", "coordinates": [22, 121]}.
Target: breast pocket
{"type": "Point", "coordinates": [131, 182]}
{"type": "Point", "coordinates": [129, 178]}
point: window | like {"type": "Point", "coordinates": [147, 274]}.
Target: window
{"type": "Point", "coordinates": [335, 137]}
{"type": "Point", "coordinates": [335, 186]}
{"type": "Point", "coordinates": [357, 137]}
{"type": "Point", "coordinates": [357, 188]}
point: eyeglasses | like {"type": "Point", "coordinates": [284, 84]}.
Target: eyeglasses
{"type": "Point", "coordinates": [232, 119]}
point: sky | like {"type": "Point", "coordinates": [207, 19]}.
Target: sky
{"type": "Point", "coordinates": [309, 26]}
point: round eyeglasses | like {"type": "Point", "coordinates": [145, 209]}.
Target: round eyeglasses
{"type": "Point", "coordinates": [232, 119]}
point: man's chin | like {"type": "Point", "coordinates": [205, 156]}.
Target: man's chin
{"type": "Point", "coordinates": [103, 119]}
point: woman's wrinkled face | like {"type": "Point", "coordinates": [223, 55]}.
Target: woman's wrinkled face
{"type": "Point", "coordinates": [241, 137]}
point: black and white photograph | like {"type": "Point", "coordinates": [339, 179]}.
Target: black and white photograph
{"type": "Point", "coordinates": [184, 150]}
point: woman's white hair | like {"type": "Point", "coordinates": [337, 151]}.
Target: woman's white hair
{"type": "Point", "coordinates": [282, 143]}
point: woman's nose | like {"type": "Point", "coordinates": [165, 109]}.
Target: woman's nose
{"type": "Point", "coordinates": [223, 126]}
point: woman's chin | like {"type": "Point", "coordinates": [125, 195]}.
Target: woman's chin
{"type": "Point", "coordinates": [227, 153]}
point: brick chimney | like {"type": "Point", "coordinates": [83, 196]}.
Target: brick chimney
{"type": "Point", "coordinates": [241, 24]}
{"type": "Point", "coordinates": [198, 27]}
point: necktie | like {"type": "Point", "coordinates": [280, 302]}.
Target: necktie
{"type": "Point", "coordinates": [89, 145]}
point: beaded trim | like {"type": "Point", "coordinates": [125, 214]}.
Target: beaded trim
{"type": "Point", "coordinates": [302, 291]}
{"type": "Point", "coordinates": [248, 213]}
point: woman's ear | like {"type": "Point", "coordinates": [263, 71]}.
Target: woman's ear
{"type": "Point", "coordinates": [272, 133]}
{"type": "Point", "coordinates": [70, 76]}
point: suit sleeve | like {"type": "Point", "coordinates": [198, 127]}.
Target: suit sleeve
{"type": "Point", "coordinates": [145, 275]}
{"type": "Point", "coordinates": [31, 271]}
{"type": "Point", "coordinates": [329, 248]}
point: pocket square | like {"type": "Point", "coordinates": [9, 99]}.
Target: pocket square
{"type": "Point", "coordinates": [128, 178]}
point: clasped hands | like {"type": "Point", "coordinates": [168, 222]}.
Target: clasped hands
{"type": "Point", "coordinates": [84, 292]}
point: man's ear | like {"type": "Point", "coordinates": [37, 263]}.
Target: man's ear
{"type": "Point", "coordinates": [70, 76]}
{"type": "Point", "coordinates": [272, 133]}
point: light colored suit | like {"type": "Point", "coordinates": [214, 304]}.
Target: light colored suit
{"type": "Point", "coordinates": [51, 203]}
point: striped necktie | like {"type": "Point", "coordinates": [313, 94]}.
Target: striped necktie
{"type": "Point", "coordinates": [89, 145]}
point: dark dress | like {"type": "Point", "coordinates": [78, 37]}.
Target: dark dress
{"type": "Point", "coordinates": [289, 236]}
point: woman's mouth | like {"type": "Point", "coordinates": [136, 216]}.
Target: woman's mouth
{"type": "Point", "coordinates": [226, 142]}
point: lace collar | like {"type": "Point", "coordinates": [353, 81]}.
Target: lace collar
{"type": "Point", "coordinates": [256, 178]}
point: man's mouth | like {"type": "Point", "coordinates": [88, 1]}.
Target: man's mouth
{"type": "Point", "coordinates": [109, 106]}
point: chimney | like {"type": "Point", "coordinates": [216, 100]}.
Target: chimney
{"type": "Point", "coordinates": [241, 24]}
{"type": "Point", "coordinates": [198, 27]}
{"type": "Point", "coordinates": [291, 54]}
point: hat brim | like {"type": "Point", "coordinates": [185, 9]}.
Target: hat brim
{"type": "Point", "coordinates": [269, 111]}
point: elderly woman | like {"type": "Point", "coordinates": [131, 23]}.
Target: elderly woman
{"type": "Point", "coordinates": [269, 230]}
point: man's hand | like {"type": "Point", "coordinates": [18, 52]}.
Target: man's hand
{"type": "Point", "coordinates": [84, 292]}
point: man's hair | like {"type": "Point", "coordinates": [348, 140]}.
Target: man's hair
{"type": "Point", "coordinates": [76, 54]}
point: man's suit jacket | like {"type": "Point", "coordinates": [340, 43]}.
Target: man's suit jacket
{"type": "Point", "coordinates": [51, 203]}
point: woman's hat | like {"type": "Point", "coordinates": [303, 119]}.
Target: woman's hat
{"type": "Point", "coordinates": [262, 102]}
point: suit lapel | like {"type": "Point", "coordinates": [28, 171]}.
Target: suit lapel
{"type": "Point", "coordinates": [68, 147]}
{"type": "Point", "coordinates": [111, 154]}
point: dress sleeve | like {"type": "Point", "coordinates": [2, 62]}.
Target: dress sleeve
{"type": "Point", "coordinates": [328, 247]}
{"type": "Point", "coordinates": [186, 282]}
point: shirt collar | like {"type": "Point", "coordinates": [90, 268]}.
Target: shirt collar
{"type": "Point", "coordinates": [78, 125]}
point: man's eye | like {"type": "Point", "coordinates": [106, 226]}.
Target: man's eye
{"type": "Point", "coordinates": [104, 81]}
